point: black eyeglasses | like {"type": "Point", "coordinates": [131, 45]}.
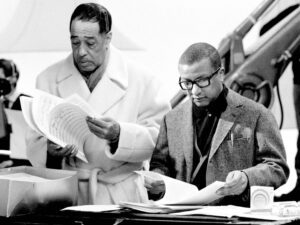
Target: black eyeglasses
{"type": "Point", "coordinates": [200, 82]}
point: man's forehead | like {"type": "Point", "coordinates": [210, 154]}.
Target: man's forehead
{"type": "Point", "coordinates": [197, 67]}
{"type": "Point", "coordinates": [84, 28]}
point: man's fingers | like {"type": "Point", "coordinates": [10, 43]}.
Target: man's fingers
{"type": "Point", "coordinates": [96, 130]}
{"type": "Point", "coordinates": [106, 119]}
{"type": "Point", "coordinates": [74, 151]}
{"type": "Point", "coordinates": [6, 163]}
{"type": "Point", "coordinates": [68, 150]}
{"type": "Point", "coordinates": [148, 186]}
{"type": "Point", "coordinates": [230, 177]}
{"type": "Point", "coordinates": [94, 127]}
{"type": "Point", "coordinates": [232, 185]}
{"type": "Point", "coordinates": [65, 150]}
{"type": "Point", "coordinates": [233, 178]}
{"type": "Point", "coordinates": [96, 122]}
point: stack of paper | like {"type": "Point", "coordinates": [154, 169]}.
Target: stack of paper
{"type": "Point", "coordinates": [158, 208]}
{"type": "Point", "coordinates": [93, 208]}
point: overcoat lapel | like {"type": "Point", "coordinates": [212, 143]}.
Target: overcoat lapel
{"type": "Point", "coordinates": [105, 95]}
{"type": "Point", "coordinates": [69, 81]}
{"type": "Point", "coordinates": [112, 87]}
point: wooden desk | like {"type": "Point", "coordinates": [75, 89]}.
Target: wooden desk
{"type": "Point", "coordinates": [123, 217]}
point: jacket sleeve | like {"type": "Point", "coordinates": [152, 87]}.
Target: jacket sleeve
{"type": "Point", "coordinates": [270, 167]}
{"type": "Point", "coordinates": [160, 159]}
{"type": "Point", "coordinates": [137, 140]}
{"type": "Point", "coordinates": [36, 149]}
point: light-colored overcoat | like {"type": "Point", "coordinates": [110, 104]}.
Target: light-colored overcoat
{"type": "Point", "coordinates": [128, 94]}
{"type": "Point", "coordinates": [247, 138]}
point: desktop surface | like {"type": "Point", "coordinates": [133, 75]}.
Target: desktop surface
{"type": "Point", "coordinates": [124, 217]}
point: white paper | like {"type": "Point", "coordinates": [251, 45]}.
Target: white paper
{"type": "Point", "coordinates": [233, 211]}
{"type": "Point", "coordinates": [264, 216]}
{"type": "Point", "coordinates": [93, 208]}
{"type": "Point", "coordinates": [222, 211]}
{"type": "Point", "coordinates": [153, 207]}
{"type": "Point", "coordinates": [179, 192]}
{"type": "Point", "coordinates": [67, 122]}
{"type": "Point", "coordinates": [77, 100]}
{"type": "Point", "coordinates": [42, 104]}
{"type": "Point", "coordinates": [203, 196]}
{"type": "Point", "coordinates": [26, 105]}
{"type": "Point", "coordinates": [61, 121]}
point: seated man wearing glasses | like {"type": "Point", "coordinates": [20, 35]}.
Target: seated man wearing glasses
{"type": "Point", "coordinates": [217, 135]}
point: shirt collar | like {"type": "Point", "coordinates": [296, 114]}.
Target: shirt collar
{"type": "Point", "coordinates": [12, 97]}
{"type": "Point", "coordinates": [215, 108]}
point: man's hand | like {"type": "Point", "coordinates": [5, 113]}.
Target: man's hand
{"type": "Point", "coordinates": [154, 187]}
{"type": "Point", "coordinates": [105, 128]}
{"type": "Point", "coordinates": [56, 150]}
{"type": "Point", "coordinates": [236, 183]}
{"type": "Point", "coordinates": [6, 164]}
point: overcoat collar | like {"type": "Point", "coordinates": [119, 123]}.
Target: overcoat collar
{"type": "Point", "coordinates": [110, 89]}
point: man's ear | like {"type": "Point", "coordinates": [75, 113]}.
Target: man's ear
{"type": "Point", "coordinates": [108, 37]}
{"type": "Point", "coordinates": [222, 74]}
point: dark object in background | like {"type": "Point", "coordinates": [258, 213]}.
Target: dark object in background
{"type": "Point", "coordinates": [9, 75]}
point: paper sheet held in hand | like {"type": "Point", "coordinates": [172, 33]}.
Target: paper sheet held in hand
{"type": "Point", "coordinates": [63, 121]}
{"type": "Point", "coordinates": [182, 193]}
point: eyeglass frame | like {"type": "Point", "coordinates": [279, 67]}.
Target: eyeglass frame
{"type": "Point", "coordinates": [197, 79]}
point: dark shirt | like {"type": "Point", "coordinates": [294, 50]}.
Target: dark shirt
{"type": "Point", "coordinates": [205, 120]}
{"type": "Point", "coordinates": [5, 141]}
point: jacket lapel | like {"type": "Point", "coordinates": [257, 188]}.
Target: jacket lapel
{"type": "Point", "coordinates": [185, 136]}
{"type": "Point", "coordinates": [225, 123]}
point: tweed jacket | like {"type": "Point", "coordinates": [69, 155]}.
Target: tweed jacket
{"type": "Point", "coordinates": [247, 138]}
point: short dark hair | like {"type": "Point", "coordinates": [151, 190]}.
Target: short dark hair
{"type": "Point", "coordinates": [198, 51]}
{"type": "Point", "coordinates": [9, 68]}
{"type": "Point", "coordinates": [95, 13]}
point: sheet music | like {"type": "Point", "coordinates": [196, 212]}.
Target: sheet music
{"type": "Point", "coordinates": [67, 122]}
{"type": "Point", "coordinates": [41, 106]}
{"type": "Point", "coordinates": [26, 105]}
{"type": "Point", "coordinates": [60, 121]}
{"type": "Point", "coordinates": [77, 100]}
{"type": "Point", "coordinates": [29, 114]}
